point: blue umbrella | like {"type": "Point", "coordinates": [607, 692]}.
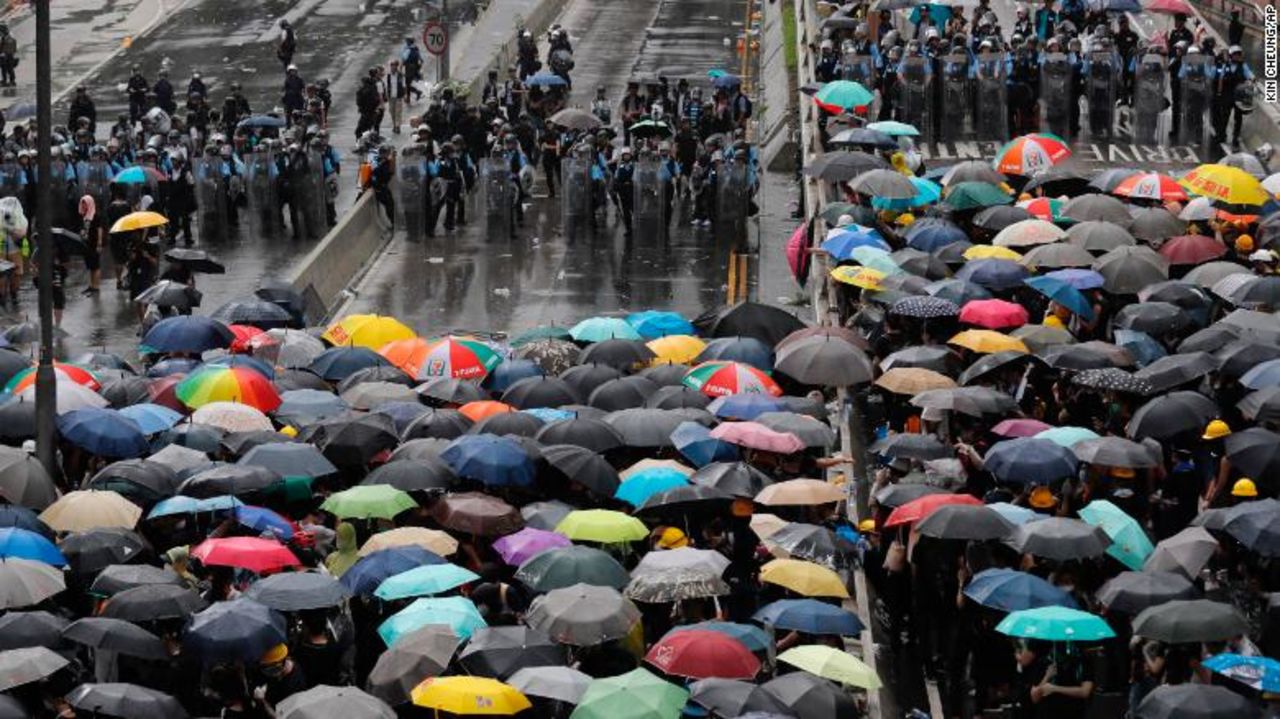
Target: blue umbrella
{"type": "Point", "coordinates": [369, 571]}
{"type": "Point", "coordinates": [1260, 673]}
{"type": "Point", "coordinates": [1030, 460]}
{"type": "Point", "coordinates": [1077, 278]}
{"type": "Point", "coordinates": [239, 360]}
{"type": "Point", "coordinates": [745, 406]}
{"type": "Point", "coordinates": [182, 504]}
{"type": "Point", "coordinates": [402, 413]}
{"type": "Point", "coordinates": [458, 613]}
{"type": "Point", "coordinates": [307, 406]}
{"type": "Point", "coordinates": [545, 79]}
{"type": "Point", "coordinates": [549, 414]}
{"type": "Point", "coordinates": [747, 350]}
{"type": "Point", "coordinates": [648, 482]}
{"type": "Point", "coordinates": [994, 274]}
{"type": "Point", "coordinates": [1265, 374]}
{"type": "Point", "coordinates": [261, 519]}
{"type": "Point", "coordinates": [190, 334]}
{"type": "Point", "coordinates": [172, 366]}
{"type": "Point", "coordinates": [510, 372]}
{"type": "Point", "coordinates": [421, 581]}
{"type": "Point", "coordinates": [940, 14]}
{"type": "Point", "coordinates": [752, 637]}
{"type": "Point", "coordinates": [810, 616]}
{"type": "Point", "coordinates": [152, 418]}
{"type": "Point", "coordinates": [103, 432]}
{"type": "Point", "coordinates": [841, 243]}
{"type": "Point", "coordinates": [1009, 590]}
{"type": "Point", "coordinates": [20, 111]}
{"type": "Point", "coordinates": [1063, 293]}
{"type": "Point", "coordinates": [12, 515]}
{"type": "Point", "coordinates": [726, 81]}
{"type": "Point", "coordinates": [26, 544]}
{"type": "Point", "coordinates": [698, 446]}
{"type": "Point", "coordinates": [652, 324]}
{"type": "Point", "coordinates": [261, 121]}
{"type": "Point", "coordinates": [493, 460]}
{"type": "Point", "coordinates": [1141, 345]}
{"type": "Point", "coordinates": [931, 235]}
{"type": "Point", "coordinates": [337, 363]}
{"type": "Point", "coordinates": [236, 630]}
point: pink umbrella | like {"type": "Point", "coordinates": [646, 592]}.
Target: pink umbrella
{"type": "Point", "coordinates": [798, 253]}
{"type": "Point", "coordinates": [1169, 7]}
{"type": "Point", "coordinates": [757, 436]}
{"type": "Point", "coordinates": [1020, 428]}
{"type": "Point", "coordinates": [517, 548]}
{"type": "Point", "coordinates": [993, 314]}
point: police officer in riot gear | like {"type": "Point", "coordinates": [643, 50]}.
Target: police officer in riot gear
{"type": "Point", "coordinates": [136, 88]}
{"type": "Point", "coordinates": [624, 185]}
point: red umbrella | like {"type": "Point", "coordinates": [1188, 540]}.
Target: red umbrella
{"type": "Point", "coordinates": [243, 333]}
{"type": "Point", "coordinates": [703, 654]}
{"type": "Point", "coordinates": [1192, 249]}
{"type": "Point", "coordinates": [993, 314]}
{"type": "Point", "coordinates": [252, 553]}
{"type": "Point", "coordinates": [1020, 428]}
{"type": "Point", "coordinates": [163, 391]}
{"type": "Point", "coordinates": [798, 253]}
{"type": "Point", "coordinates": [918, 509]}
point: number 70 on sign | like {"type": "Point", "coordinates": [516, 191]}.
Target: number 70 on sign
{"type": "Point", "coordinates": [435, 38]}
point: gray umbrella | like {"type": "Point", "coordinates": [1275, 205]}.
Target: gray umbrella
{"type": "Point", "coordinates": [1097, 207]}
{"type": "Point", "coordinates": [674, 585]}
{"type": "Point", "coordinates": [972, 171]}
{"type": "Point", "coordinates": [31, 629]}
{"type": "Point", "coordinates": [974, 401]}
{"type": "Point", "coordinates": [26, 665]}
{"type": "Point", "coordinates": [811, 697]}
{"type": "Point", "coordinates": [330, 702]}
{"type": "Point", "coordinates": [153, 601]}
{"type": "Point", "coordinates": [645, 427]}
{"type": "Point", "coordinates": [1060, 538]}
{"type": "Point", "coordinates": [1152, 224]}
{"type": "Point", "coordinates": [738, 479]}
{"type": "Point", "coordinates": [11, 708]}
{"type": "Point", "coordinates": [912, 446]}
{"type": "Point", "coordinates": [810, 542]}
{"type": "Point", "coordinates": [813, 432]}
{"type": "Point", "coordinates": [1211, 273]}
{"type": "Point", "coordinates": [825, 361]}
{"type": "Point", "coordinates": [1185, 621]}
{"type": "Point", "coordinates": [732, 698]}
{"type": "Point", "coordinates": [1173, 370]}
{"type": "Point", "coordinates": [1187, 552]}
{"type": "Point", "coordinates": [290, 459]}
{"type": "Point", "coordinates": [1057, 255]}
{"type": "Point", "coordinates": [417, 655]}
{"type": "Point", "coordinates": [116, 635]}
{"type": "Point", "coordinates": [1195, 701]}
{"type": "Point", "coordinates": [896, 495]}
{"type": "Point", "coordinates": [296, 591]}
{"type": "Point", "coordinates": [1256, 525]}
{"type": "Point", "coordinates": [885, 184]}
{"type": "Point", "coordinates": [450, 391]}
{"type": "Point", "coordinates": [367, 395]}
{"type": "Point", "coordinates": [573, 565]}
{"type": "Point", "coordinates": [843, 166]}
{"type": "Point", "coordinates": [1132, 592]}
{"type": "Point", "coordinates": [936, 358]}
{"type": "Point", "coordinates": [1154, 318]}
{"type": "Point", "coordinates": [545, 515]}
{"type": "Point", "coordinates": [1094, 354]}
{"type": "Point", "coordinates": [23, 480]}
{"type": "Point", "coordinates": [1001, 216]}
{"type": "Point", "coordinates": [128, 701]}
{"type": "Point", "coordinates": [559, 683]}
{"type": "Point", "coordinates": [1127, 270]}
{"type": "Point", "coordinates": [990, 363]}
{"type": "Point", "coordinates": [1114, 452]}
{"type": "Point", "coordinates": [1099, 236]}
{"type": "Point", "coordinates": [622, 393]}
{"type": "Point", "coordinates": [963, 521]}
{"type": "Point", "coordinates": [583, 615]}
{"type": "Point", "coordinates": [499, 652]}
{"type": "Point", "coordinates": [922, 264]}
{"type": "Point", "coordinates": [676, 397]}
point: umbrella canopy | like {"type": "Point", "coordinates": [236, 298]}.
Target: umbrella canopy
{"type": "Point", "coordinates": [804, 578]}
{"type": "Point", "coordinates": [1129, 542]}
{"type": "Point", "coordinates": [1132, 592]}
{"type": "Point", "coordinates": [26, 582]}
{"type": "Point", "coordinates": [115, 635]}
{"type": "Point", "coordinates": [83, 510]}
{"type": "Point", "coordinates": [810, 616]}
{"type": "Point", "coordinates": [298, 591]}
{"type": "Point", "coordinates": [374, 501]}
{"type": "Point", "coordinates": [702, 654]}
{"type": "Point", "coordinates": [558, 683]}
{"type": "Point", "coordinates": [239, 629]}
{"type": "Point", "coordinates": [417, 655]}
{"type": "Point", "coordinates": [1261, 673]}
{"type": "Point", "coordinates": [808, 696]}
{"type": "Point", "coordinates": [638, 694]}
{"type": "Point", "coordinates": [824, 361]}
{"type": "Point", "coordinates": [582, 615]}
{"type": "Point", "coordinates": [965, 522]}
{"type": "Point", "coordinates": [601, 525]}
{"type": "Point", "coordinates": [251, 553]}
{"type": "Point", "coordinates": [831, 663]}
{"type": "Point", "coordinates": [499, 652]}
{"type": "Point", "coordinates": [26, 665]}
{"type": "Point", "coordinates": [1195, 701]}
{"type": "Point", "coordinates": [324, 701]}
{"type": "Point", "coordinates": [567, 566]}
{"type": "Point", "coordinates": [1190, 621]}
{"type": "Point", "coordinates": [1060, 538]}
{"type": "Point", "coordinates": [1009, 591]}
{"type": "Point", "coordinates": [457, 613]}
{"type": "Point", "coordinates": [732, 697]}
{"type": "Point", "coordinates": [469, 695]}
{"type": "Point", "coordinates": [1053, 623]}
{"type": "Point", "coordinates": [1186, 552]}
{"type": "Point", "coordinates": [1030, 460]}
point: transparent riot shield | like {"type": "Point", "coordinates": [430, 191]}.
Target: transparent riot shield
{"type": "Point", "coordinates": [60, 183]}
{"type": "Point", "coordinates": [915, 103]}
{"type": "Point", "coordinates": [989, 115]}
{"type": "Point", "coordinates": [95, 181]}
{"type": "Point", "coordinates": [647, 185]}
{"type": "Point", "coordinates": [1055, 94]}
{"type": "Point", "coordinates": [1104, 78]}
{"type": "Point", "coordinates": [1196, 82]}
{"type": "Point", "coordinates": [262, 199]}
{"type": "Point", "coordinates": [498, 193]}
{"type": "Point", "coordinates": [575, 190]}
{"type": "Point", "coordinates": [862, 70]}
{"type": "Point", "coordinates": [317, 208]}
{"type": "Point", "coordinates": [12, 180]}
{"type": "Point", "coordinates": [1149, 83]}
{"type": "Point", "coordinates": [957, 98]}
{"type": "Point", "coordinates": [411, 186]}
{"type": "Point", "coordinates": [732, 195]}
{"type": "Point", "coordinates": [210, 199]}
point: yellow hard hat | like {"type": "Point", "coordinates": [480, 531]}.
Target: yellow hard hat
{"type": "Point", "coordinates": [1042, 498]}
{"type": "Point", "coordinates": [1054, 321]}
{"type": "Point", "coordinates": [867, 526]}
{"type": "Point", "coordinates": [275, 654]}
{"type": "Point", "coordinates": [1217, 429]}
{"type": "Point", "coordinates": [1244, 243]}
{"type": "Point", "coordinates": [289, 431]}
{"type": "Point", "coordinates": [672, 538]}
{"type": "Point", "coordinates": [906, 219]}
{"type": "Point", "coordinates": [1244, 487]}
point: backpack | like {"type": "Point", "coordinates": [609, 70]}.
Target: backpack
{"type": "Point", "coordinates": [413, 56]}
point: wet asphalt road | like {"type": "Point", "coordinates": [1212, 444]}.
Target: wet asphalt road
{"type": "Point", "coordinates": [478, 279]}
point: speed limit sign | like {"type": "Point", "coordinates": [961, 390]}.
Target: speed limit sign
{"type": "Point", "coordinates": [435, 38]}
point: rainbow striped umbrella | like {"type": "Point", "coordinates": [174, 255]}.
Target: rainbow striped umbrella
{"type": "Point", "coordinates": [719, 379]}
{"type": "Point", "coordinates": [218, 383]}
{"type": "Point", "coordinates": [1031, 154]}
{"type": "Point", "coordinates": [456, 357]}
{"type": "Point", "coordinates": [64, 372]}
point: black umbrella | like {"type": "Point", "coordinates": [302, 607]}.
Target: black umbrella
{"type": "Point", "coordinates": [622, 393]}
{"type": "Point", "coordinates": [898, 494]}
{"type": "Point", "coordinates": [646, 427]}
{"type": "Point", "coordinates": [677, 397]}
{"type": "Point", "coordinates": [963, 521]}
{"type": "Point", "coordinates": [283, 294]}
{"type": "Point", "coordinates": [1132, 592]}
{"type": "Point", "coordinates": [438, 424]}
{"type": "Point", "coordinates": [1188, 621]}
{"type": "Point", "coordinates": [1153, 317]}
{"type": "Point", "coordinates": [935, 358]}
{"type": "Point", "coordinates": [685, 499]}
{"type": "Point", "coordinates": [1060, 538]}
{"type": "Point", "coordinates": [1255, 451]}
{"type": "Point", "coordinates": [667, 374]}
{"type": "Point", "coordinates": [1262, 405]}
{"type": "Point", "coordinates": [11, 708]}
{"type": "Point", "coordinates": [236, 630]}
{"type": "Point", "coordinates": [137, 479]}
{"type": "Point", "coordinates": [521, 424]}
{"type": "Point", "coordinates": [1001, 216]}
{"type": "Point", "coordinates": [587, 377]}
{"type": "Point", "coordinates": [116, 578]}
{"type": "Point", "coordinates": [1114, 452]}
{"type": "Point", "coordinates": [808, 696]}
{"type": "Point", "coordinates": [592, 434]}
{"type": "Point", "coordinates": [843, 166]}
{"type": "Point", "coordinates": [1256, 525]}
{"type": "Point", "coordinates": [1114, 379]}
{"type": "Point", "coordinates": [153, 602]}
{"type": "Point", "coordinates": [748, 350]}
{"type": "Point", "coordinates": [31, 629]}
{"type": "Point", "coordinates": [1058, 181]}
{"type": "Point", "coordinates": [414, 449]}
{"type": "Point", "coordinates": [116, 635]}
{"type": "Point", "coordinates": [766, 323]}
{"type": "Point", "coordinates": [535, 392]}
{"type": "Point", "coordinates": [128, 701]}
{"type": "Point", "coordinates": [381, 373]}
{"type": "Point", "coordinates": [584, 466]}
{"type": "Point", "coordinates": [1172, 414]}
{"type": "Point", "coordinates": [499, 652]}
{"type": "Point", "coordinates": [233, 479]}
{"type": "Point", "coordinates": [545, 515]}
{"type": "Point", "coordinates": [90, 552]}
{"type": "Point", "coordinates": [421, 653]}
{"type": "Point", "coordinates": [1085, 355]}
{"type": "Point", "coordinates": [1195, 701]}
{"type": "Point", "coordinates": [297, 591]}
{"type": "Point", "coordinates": [126, 391]}
{"type": "Point", "coordinates": [195, 260]}
{"type": "Point", "coordinates": [738, 479]}
{"type": "Point", "coordinates": [414, 475]}
{"type": "Point", "coordinates": [810, 542]}
{"type": "Point", "coordinates": [349, 442]}
{"type": "Point", "coordinates": [451, 391]}
{"type": "Point", "coordinates": [619, 353]}
{"type": "Point", "coordinates": [170, 294]}
{"type": "Point", "coordinates": [255, 312]}
{"type": "Point", "coordinates": [1243, 355]}
{"type": "Point", "coordinates": [1173, 370]}
{"type": "Point", "coordinates": [298, 378]}
{"type": "Point", "coordinates": [732, 698]}
{"type": "Point", "coordinates": [239, 444]}
{"type": "Point", "coordinates": [987, 364]}
{"type": "Point", "coordinates": [912, 446]}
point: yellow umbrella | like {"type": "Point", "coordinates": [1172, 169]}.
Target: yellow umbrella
{"type": "Point", "coordinates": [372, 331]}
{"type": "Point", "coordinates": [990, 252]}
{"type": "Point", "coordinates": [676, 349]}
{"type": "Point", "coordinates": [602, 525]}
{"type": "Point", "coordinates": [469, 696]}
{"type": "Point", "coordinates": [432, 540]}
{"type": "Point", "coordinates": [913, 380]}
{"type": "Point", "coordinates": [139, 221]}
{"type": "Point", "coordinates": [644, 464]}
{"type": "Point", "coordinates": [863, 277]}
{"type": "Point", "coordinates": [90, 509]}
{"type": "Point", "coordinates": [833, 664]}
{"type": "Point", "coordinates": [801, 492]}
{"type": "Point", "coordinates": [805, 578]}
{"type": "Point", "coordinates": [988, 342]}
{"type": "Point", "coordinates": [1226, 184]}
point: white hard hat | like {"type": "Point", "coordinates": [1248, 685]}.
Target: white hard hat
{"type": "Point", "coordinates": [827, 45]}
{"type": "Point", "coordinates": [1234, 49]}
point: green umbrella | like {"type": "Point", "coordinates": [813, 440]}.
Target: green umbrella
{"type": "Point", "coordinates": [638, 694]}
{"type": "Point", "coordinates": [1055, 624]}
{"type": "Point", "coordinates": [427, 580]}
{"type": "Point", "coordinates": [973, 195]}
{"type": "Point", "coordinates": [368, 501]}
{"type": "Point", "coordinates": [1129, 544]}
{"type": "Point", "coordinates": [566, 566]}
{"type": "Point", "coordinates": [841, 95]}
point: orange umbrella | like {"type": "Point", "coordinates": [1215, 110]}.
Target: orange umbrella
{"type": "Point", "coordinates": [406, 354]}
{"type": "Point", "coordinates": [477, 411]}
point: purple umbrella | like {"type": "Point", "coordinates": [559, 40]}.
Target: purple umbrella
{"type": "Point", "coordinates": [517, 548]}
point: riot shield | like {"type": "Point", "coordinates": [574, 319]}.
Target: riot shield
{"type": "Point", "coordinates": [1103, 79]}
{"type": "Point", "coordinates": [498, 194]}
{"type": "Point", "coordinates": [59, 191]}
{"type": "Point", "coordinates": [915, 101]}
{"type": "Point", "coordinates": [12, 180]}
{"type": "Point", "coordinates": [575, 190]}
{"type": "Point", "coordinates": [95, 181]}
{"type": "Point", "coordinates": [1196, 82]}
{"type": "Point", "coordinates": [317, 214]}
{"type": "Point", "coordinates": [262, 199]}
{"type": "Point", "coordinates": [210, 199]}
{"type": "Point", "coordinates": [1055, 94]}
{"type": "Point", "coordinates": [413, 203]}
{"type": "Point", "coordinates": [1149, 83]}
{"type": "Point", "coordinates": [957, 98]}
{"type": "Point", "coordinates": [647, 185]}
{"type": "Point", "coordinates": [732, 195]}
{"type": "Point", "coordinates": [989, 116]}
{"type": "Point", "coordinates": [860, 69]}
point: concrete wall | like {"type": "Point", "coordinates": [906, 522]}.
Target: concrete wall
{"type": "Point", "coordinates": [340, 258]}
{"type": "Point", "coordinates": [777, 139]}
{"type": "Point", "coordinates": [536, 22]}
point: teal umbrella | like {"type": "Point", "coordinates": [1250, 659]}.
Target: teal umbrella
{"type": "Point", "coordinates": [974, 195]}
{"type": "Point", "coordinates": [1067, 436]}
{"type": "Point", "coordinates": [1129, 544]}
{"type": "Point", "coordinates": [842, 95]}
{"type": "Point", "coordinates": [422, 581]}
{"type": "Point", "coordinates": [599, 329]}
{"type": "Point", "coordinates": [927, 193]}
{"type": "Point", "coordinates": [876, 259]}
{"type": "Point", "coordinates": [1055, 623]}
{"type": "Point", "coordinates": [458, 613]}
{"type": "Point", "coordinates": [893, 128]}
{"type": "Point", "coordinates": [542, 332]}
